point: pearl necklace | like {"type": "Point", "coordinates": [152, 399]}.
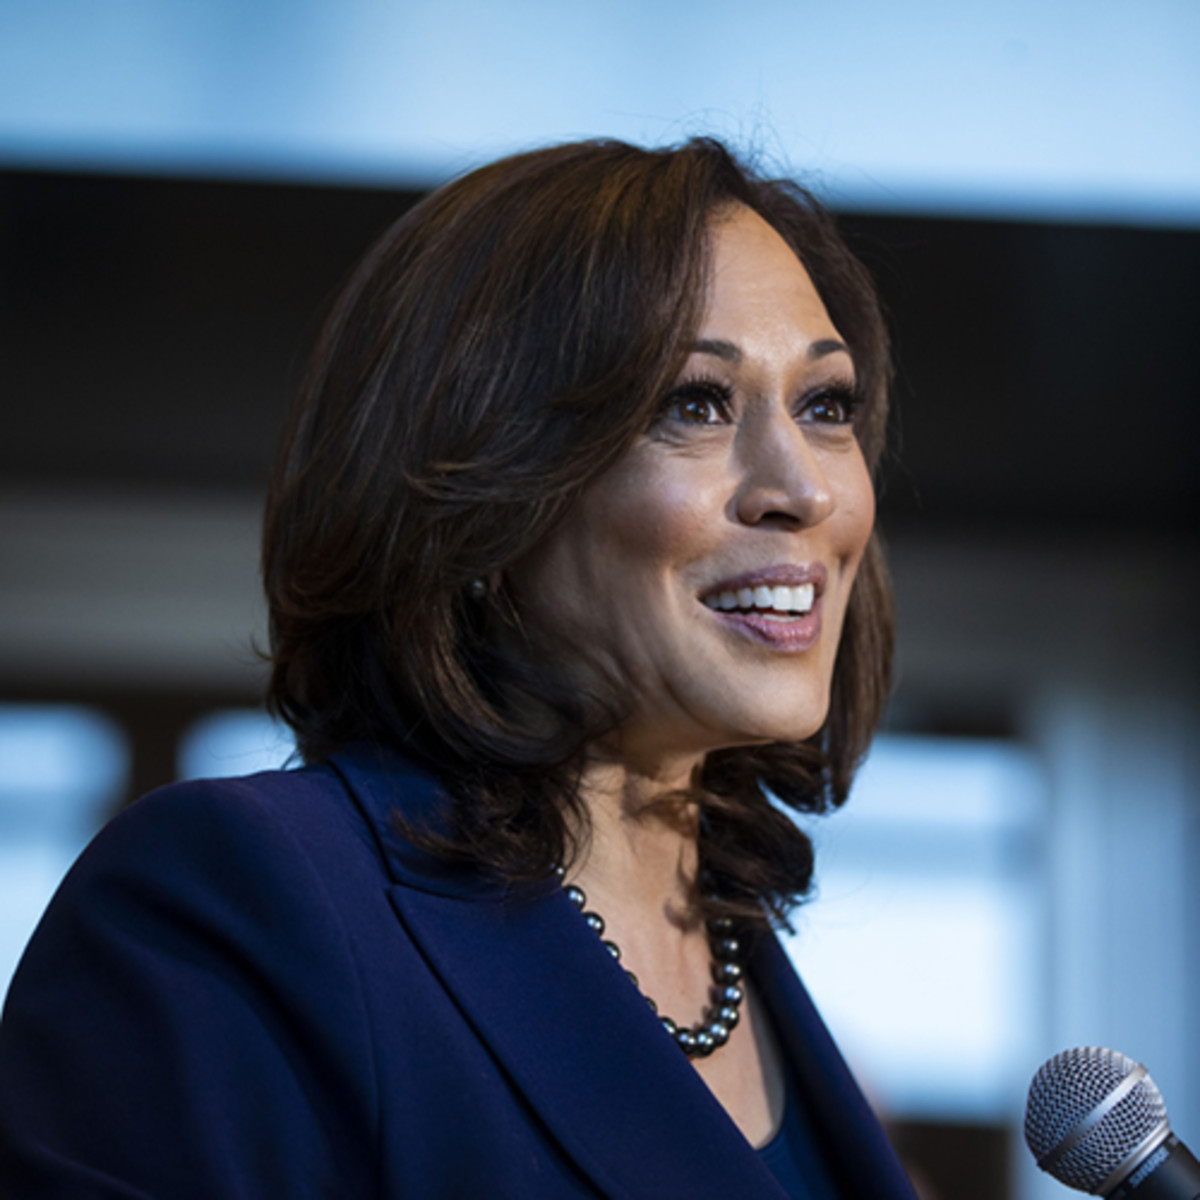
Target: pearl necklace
{"type": "Point", "coordinates": [727, 994]}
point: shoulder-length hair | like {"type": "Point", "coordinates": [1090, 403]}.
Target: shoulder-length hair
{"type": "Point", "coordinates": [500, 347]}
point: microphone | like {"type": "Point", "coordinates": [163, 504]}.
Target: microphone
{"type": "Point", "coordinates": [1096, 1121]}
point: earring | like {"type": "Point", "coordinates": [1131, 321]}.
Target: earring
{"type": "Point", "coordinates": [478, 589]}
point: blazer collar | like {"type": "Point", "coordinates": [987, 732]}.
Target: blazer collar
{"type": "Point", "coordinates": [615, 1092]}
{"type": "Point", "coordinates": [858, 1145]}
{"type": "Point", "coordinates": [382, 783]}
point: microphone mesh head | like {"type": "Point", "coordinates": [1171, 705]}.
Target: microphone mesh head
{"type": "Point", "coordinates": [1065, 1090]}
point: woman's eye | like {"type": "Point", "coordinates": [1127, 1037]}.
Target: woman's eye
{"type": "Point", "coordinates": [698, 404]}
{"type": "Point", "coordinates": [831, 406]}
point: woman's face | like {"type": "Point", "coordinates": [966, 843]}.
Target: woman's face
{"type": "Point", "coordinates": [710, 568]}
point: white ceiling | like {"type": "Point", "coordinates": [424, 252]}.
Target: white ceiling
{"type": "Point", "coordinates": [1074, 109]}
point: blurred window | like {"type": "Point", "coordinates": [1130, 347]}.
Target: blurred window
{"type": "Point", "coordinates": [234, 741]}
{"type": "Point", "coordinates": [63, 770]}
{"type": "Point", "coordinates": [921, 947]}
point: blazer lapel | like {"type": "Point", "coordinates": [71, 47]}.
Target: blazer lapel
{"type": "Point", "coordinates": [862, 1155]}
{"type": "Point", "coordinates": [558, 1013]}
{"type": "Point", "coordinates": [583, 1046]}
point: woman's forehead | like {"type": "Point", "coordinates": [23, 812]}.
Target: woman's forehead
{"type": "Point", "coordinates": [756, 286]}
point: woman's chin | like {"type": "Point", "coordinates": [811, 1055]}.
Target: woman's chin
{"type": "Point", "coordinates": [793, 721]}
{"type": "Point", "coordinates": [778, 727]}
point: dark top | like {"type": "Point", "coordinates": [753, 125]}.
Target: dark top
{"type": "Point", "coordinates": [794, 1154]}
{"type": "Point", "coordinates": [255, 989]}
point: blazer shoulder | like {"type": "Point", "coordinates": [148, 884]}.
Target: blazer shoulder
{"type": "Point", "coordinates": [278, 816]}
{"type": "Point", "coordinates": [281, 856]}
{"type": "Point", "coordinates": [197, 982]}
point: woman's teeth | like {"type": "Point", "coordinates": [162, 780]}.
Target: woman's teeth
{"type": "Point", "coordinates": [764, 599]}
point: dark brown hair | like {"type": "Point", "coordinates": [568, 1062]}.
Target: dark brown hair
{"type": "Point", "coordinates": [500, 347]}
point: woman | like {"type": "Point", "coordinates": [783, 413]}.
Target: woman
{"type": "Point", "coordinates": [568, 554]}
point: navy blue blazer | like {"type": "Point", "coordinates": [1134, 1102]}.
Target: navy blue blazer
{"type": "Point", "coordinates": [255, 988]}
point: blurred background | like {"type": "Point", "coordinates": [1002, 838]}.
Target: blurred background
{"type": "Point", "coordinates": [182, 186]}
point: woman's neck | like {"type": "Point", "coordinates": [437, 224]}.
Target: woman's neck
{"type": "Point", "coordinates": [642, 846]}
{"type": "Point", "coordinates": [638, 871]}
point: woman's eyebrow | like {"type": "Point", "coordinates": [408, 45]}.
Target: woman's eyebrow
{"type": "Point", "coordinates": [720, 348]}
{"type": "Point", "coordinates": [824, 346]}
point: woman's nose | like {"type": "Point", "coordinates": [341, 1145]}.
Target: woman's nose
{"type": "Point", "coordinates": [782, 476]}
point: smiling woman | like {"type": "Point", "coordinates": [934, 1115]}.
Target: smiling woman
{"type": "Point", "coordinates": [680, 566]}
{"type": "Point", "coordinates": [569, 557]}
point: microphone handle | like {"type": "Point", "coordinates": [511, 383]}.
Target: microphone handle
{"type": "Point", "coordinates": [1169, 1173]}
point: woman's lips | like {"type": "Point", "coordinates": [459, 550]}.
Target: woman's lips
{"type": "Point", "coordinates": [787, 632]}
{"type": "Point", "coordinates": [779, 606]}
